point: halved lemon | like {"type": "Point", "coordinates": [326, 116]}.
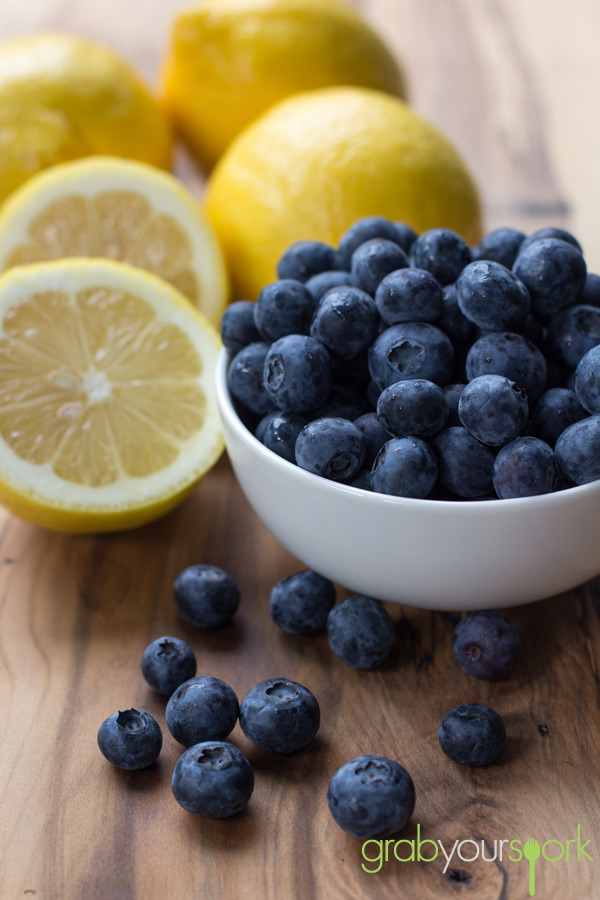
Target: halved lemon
{"type": "Point", "coordinates": [121, 210]}
{"type": "Point", "coordinates": [107, 409]}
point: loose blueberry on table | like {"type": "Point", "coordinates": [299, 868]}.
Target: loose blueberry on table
{"type": "Point", "coordinates": [486, 644]}
{"type": "Point", "coordinates": [130, 739]}
{"type": "Point", "coordinates": [168, 662]}
{"type": "Point", "coordinates": [203, 708]}
{"type": "Point", "coordinates": [213, 779]}
{"type": "Point", "coordinates": [206, 596]}
{"type": "Point", "coordinates": [472, 734]}
{"type": "Point", "coordinates": [280, 715]}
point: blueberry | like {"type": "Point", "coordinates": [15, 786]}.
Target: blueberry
{"type": "Point", "coordinates": [342, 403]}
{"type": "Point", "coordinates": [405, 467]}
{"type": "Point", "coordinates": [442, 252]}
{"type": "Point", "coordinates": [572, 333]}
{"type": "Point", "coordinates": [372, 261]}
{"type": "Point", "coordinates": [371, 797]}
{"type": "Point", "coordinates": [365, 230]}
{"type": "Point", "coordinates": [553, 272]}
{"type": "Point", "coordinates": [202, 709]}
{"type": "Point", "coordinates": [587, 380]}
{"type": "Point", "coordinates": [416, 407]}
{"type": "Point", "coordinates": [281, 433]}
{"type": "Point", "coordinates": [452, 321]}
{"type": "Point", "coordinates": [452, 394]}
{"type": "Point", "coordinates": [332, 448]}
{"type": "Point", "coordinates": [324, 281]}
{"type": "Point", "coordinates": [361, 480]}
{"type": "Point", "coordinates": [284, 307]}
{"type": "Point", "coordinates": [237, 326]}
{"type": "Point", "coordinates": [300, 603]}
{"type": "Point", "coordinates": [213, 779]}
{"type": "Point", "coordinates": [130, 739]}
{"type": "Point", "coordinates": [524, 467]}
{"type": "Point", "coordinates": [360, 632]}
{"type": "Point", "coordinates": [206, 596]}
{"type": "Point", "coordinates": [405, 235]}
{"type": "Point", "coordinates": [486, 644]}
{"type": "Point", "coordinates": [556, 409]}
{"type": "Point", "coordinates": [472, 734]}
{"type": "Point", "coordinates": [297, 373]}
{"type": "Point", "coordinates": [591, 290]}
{"type": "Point", "coordinates": [494, 409]}
{"type": "Point", "coordinates": [409, 295]}
{"type": "Point", "coordinates": [306, 258]}
{"type": "Point", "coordinates": [491, 296]}
{"type": "Point", "coordinates": [557, 233]}
{"type": "Point", "coordinates": [245, 378]}
{"type": "Point", "coordinates": [374, 434]}
{"type": "Point", "coordinates": [411, 350]}
{"type": "Point", "coordinates": [465, 465]}
{"type": "Point", "coordinates": [280, 715]}
{"type": "Point", "coordinates": [511, 355]}
{"type": "Point", "coordinates": [500, 245]}
{"type": "Point", "coordinates": [346, 321]}
{"type": "Point", "coordinates": [578, 451]}
{"type": "Point", "coordinates": [259, 431]}
{"type": "Point", "coordinates": [168, 662]}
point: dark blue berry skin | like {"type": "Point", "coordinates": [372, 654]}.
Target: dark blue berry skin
{"type": "Point", "coordinates": [306, 258]}
{"type": "Point", "coordinates": [371, 797]}
{"type": "Point", "coordinates": [472, 735]}
{"type": "Point", "coordinates": [587, 380]}
{"type": "Point", "coordinates": [409, 295]}
{"type": "Point", "coordinates": [511, 355]}
{"type": "Point", "coordinates": [374, 434]}
{"type": "Point", "coordinates": [411, 350]}
{"type": "Point", "coordinates": [237, 326]}
{"type": "Point", "coordinates": [405, 467]}
{"type": "Point", "coordinates": [405, 235]}
{"type": "Point", "coordinates": [494, 409]}
{"type": "Point", "coordinates": [280, 715]}
{"type": "Point", "coordinates": [360, 632]}
{"type": "Point", "coordinates": [282, 432]}
{"type": "Point", "coordinates": [578, 451]}
{"type": "Point", "coordinates": [452, 394]}
{"type": "Point", "coordinates": [259, 431]}
{"type": "Point", "coordinates": [525, 467]}
{"type": "Point", "coordinates": [557, 233]}
{"type": "Point", "coordinates": [346, 321]}
{"type": "Point", "coordinates": [202, 709]}
{"type": "Point", "coordinates": [491, 296]}
{"type": "Point", "coordinates": [553, 272]}
{"type": "Point", "coordinates": [342, 403]}
{"type": "Point", "coordinates": [300, 603]}
{"type": "Point", "coordinates": [365, 230]}
{"type": "Point", "coordinates": [556, 409]}
{"type": "Point", "coordinates": [168, 662]}
{"type": "Point", "coordinates": [442, 252]}
{"type": "Point", "coordinates": [572, 333]}
{"type": "Point", "coordinates": [332, 448]}
{"type": "Point", "coordinates": [297, 373]}
{"type": "Point", "coordinates": [324, 281]}
{"type": "Point", "coordinates": [372, 261]}
{"type": "Point", "coordinates": [283, 307]}
{"type": "Point", "coordinates": [590, 295]}
{"type": "Point", "coordinates": [486, 644]}
{"type": "Point", "coordinates": [362, 480]}
{"type": "Point", "coordinates": [416, 407]}
{"type": "Point", "coordinates": [245, 378]}
{"type": "Point", "coordinates": [213, 779]}
{"type": "Point", "coordinates": [452, 321]}
{"type": "Point", "coordinates": [130, 739]}
{"type": "Point", "coordinates": [501, 246]}
{"type": "Point", "coordinates": [465, 465]}
{"type": "Point", "coordinates": [206, 596]}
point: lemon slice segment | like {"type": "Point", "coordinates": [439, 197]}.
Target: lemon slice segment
{"type": "Point", "coordinates": [120, 210]}
{"type": "Point", "coordinates": [107, 409]}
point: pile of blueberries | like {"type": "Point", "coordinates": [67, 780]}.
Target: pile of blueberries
{"type": "Point", "coordinates": [421, 367]}
{"type": "Point", "coordinates": [370, 796]}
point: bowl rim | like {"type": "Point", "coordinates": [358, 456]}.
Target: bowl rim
{"type": "Point", "coordinates": [374, 498]}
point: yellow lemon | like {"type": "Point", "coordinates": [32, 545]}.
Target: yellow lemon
{"type": "Point", "coordinates": [62, 98]}
{"type": "Point", "coordinates": [107, 410]}
{"type": "Point", "coordinates": [316, 162]}
{"type": "Point", "coordinates": [121, 210]}
{"type": "Point", "coordinates": [230, 60]}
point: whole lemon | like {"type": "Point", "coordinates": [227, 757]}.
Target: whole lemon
{"type": "Point", "coordinates": [317, 162]}
{"type": "Point", "coordinates": [62, 98]}
{"type": "Point", "coordinates": [230, 60]}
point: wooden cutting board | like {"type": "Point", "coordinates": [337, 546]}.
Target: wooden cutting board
{"type": "Point", "coordinates": [515, 85]}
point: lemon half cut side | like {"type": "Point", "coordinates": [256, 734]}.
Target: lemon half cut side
{"type": "Point", "coordinates": [107, 409]}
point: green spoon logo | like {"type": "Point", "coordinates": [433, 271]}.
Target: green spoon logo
{"type": "Point", "coordinates": [531, 852]}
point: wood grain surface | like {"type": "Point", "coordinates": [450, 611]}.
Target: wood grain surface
{"type": "Point", "coordinates": [515, 85]}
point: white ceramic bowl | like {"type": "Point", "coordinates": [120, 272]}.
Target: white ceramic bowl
{"type": "Point", "coordinates": [430, 553]}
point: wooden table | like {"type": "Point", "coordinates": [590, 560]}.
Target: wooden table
{"type": "Point", "coordinates": [515, 84]}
